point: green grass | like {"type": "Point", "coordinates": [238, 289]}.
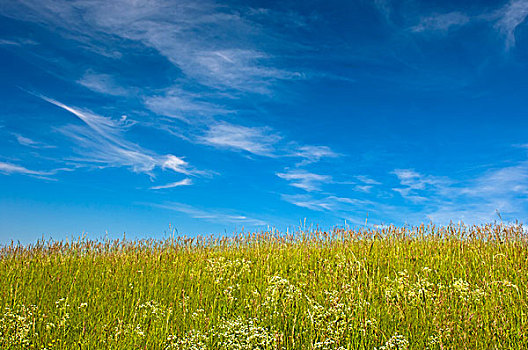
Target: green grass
{"type": "Point", "coordinates": [426, 287]}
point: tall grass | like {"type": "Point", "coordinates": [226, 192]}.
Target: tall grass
{"type": "Point", "coordinates": [425, 287]}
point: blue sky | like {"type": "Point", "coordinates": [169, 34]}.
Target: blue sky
{"type": "Point", "coordinates": [127, 116]}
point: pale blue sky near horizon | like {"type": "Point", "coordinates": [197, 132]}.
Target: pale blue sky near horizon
{"type": "Point", "coordinates": [129, 116]}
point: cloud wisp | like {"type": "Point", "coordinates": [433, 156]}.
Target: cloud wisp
{"type": "Point", "coordinates": [104, 145]}
{"type": "Point", "coordinates": [441, 23]}
{"type": "Point", "coordinates": [312, 154]}
{"type": "Point", "coordinates": [505, 20]}
{"type": "Point", "coordinates": [305, 180]}
{"type": "Point", "coordinates": [10, 168]}
{"type": "Point", "coordinates": [413, 181]}
{"type": "Point", "coordinates": [26, 141]}
{"type": "Point", "coordinates": [351, 209]}
{"type": "Point", "coordinates": [184, 182]}
{"type": "Point", "coordinates": [509, 18]}
{"type": "Point", "coordinates": [256, 140]}
{"type": "Point", "coordinates": [209, 43]}
{"type": "Point", "coordinates": [102, 83]}
{"type": "Point", "coordinates": [185, 106]}
{"type": "Point", "coordinates": [211, 215]}
{"type": "Point", "coordinates": [473, 200]}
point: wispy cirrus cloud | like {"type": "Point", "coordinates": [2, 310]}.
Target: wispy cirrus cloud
{"type": "Point", "coordinates": [183, 105]}
{"type": "Point", "coordinates": [509, 18]}
{"type": "Point", "coordinates": [473, 200]}
{"type": "Point", "coordinates": [10, 168]}
{"type": "Point", "coordinates": [262, 141]}
{"type": "Point", "coordinates": [256, 140]}
{"type": "Point", "coordinates": [17, 42]}
{"type": "Point", "coordinates": [212, 215]}
{"type": "Point", "coordinates": [505, 19]}
{"type": "Point", "coordinates": [103, 144]}
{"type": "Point", "coordinates": [367, 180]}
{"type": "Point", "coordinates": [308, 202]}
{"type": "Point", "coordinates": [184, 182]}
{"type": "Point", "coordinates": [305, 180]}
{"type": "Point", "coordinates": [26, 141]}
{"type": "Point", "coordinates": [102, 83]}
{"type": "Point", "coordinates": [221, 54]}
{"type": "Point", "coordinates": [366, 185]}
{"type": "Point", "coordinates": [413, 182]}
{"type": "Point", "coordinates": [239, 69]}
{"type": "Point", "coordinates": [352, 209]}
{"type": "Point", "coordinates": [441, 23]}
{"type": "Point", "coordinates": [312, 153]}
{"type": "Point", "coordinates": [209, 43]}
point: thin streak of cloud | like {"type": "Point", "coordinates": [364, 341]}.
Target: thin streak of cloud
{"type": "Point", "coordinates": [102, 83]}
{"type": "Point", "coordinates": [441, 22]}
{"type": "Point", "coordinates": [104, 145]}
{"type": "Point", "coordinates": [305, 180]}
{"type": "Point", "coordinates": [184, 182]}
{"type": "Point", "coordinates": [26, 141]}
{"type": "Point", "coordinates": [9, 168]}
{"type": "Point", "coordinates": [257, 140]}
{"type": "Point", "coordinates": [414, 181]}
{"type": "Point", "coordinates": [312, 154]}
{"type": "Point", "coordinates": [17, 42]}
{"type": "Point", "coordinates": [308, 202]}
{"type": "Point", "coordinates": [211, 215]}
{"type": "Point", "coordinates": [351, 209]}
{"type": "Point", "coordinates": [182, 105]}
{"type": "Point", "coordinates": [367, 180]}
{"type": "Point", "coordinates": [363, 188]}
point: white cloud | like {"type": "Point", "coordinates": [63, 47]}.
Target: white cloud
{"type": "Point", "coordinates": [175, 164]}
{"type": "Point", "coordinates": [312, 154]}
{"type": "Point", "coordinates": [26, 141]}
{"type": "Point", "coordinates": [263, 141]}
{"type": "Point", "coordinates": [103, 144]}
{"type": "Point", "coordinates": [474, 200]}
{"type": "Point", "coordinates": [506, 20]}
{"type": "Point", "coordinates": [184, 106]}
{"type": "Point", "coordinates": [510, 17]}
{"type": "Point", "coordinates": [9, 168]}
{"type": "Point", "coordinates": [17, 42]}
{"type": "Point", "coordinates": [352, 209]}
{"type": "Point", "coordinates": [211, 215]}
{"type": "Point", "coordinates": [220, 52]}
{"type": "Point", "coordinates": [305, 180]}
{"type": "Point", "coordinates": [308, 202]}
{"type": "Point", "coordinates": [367, 180]}
{"type": "Point", "coordinates": [414, 181]}
{"type": "Point", "coordinates": [184, 182]}
{"type": "Point", "coordinates": [499, 183]}
{"type": "Point", "coordinates": [257, 140]}
{"type": "Point", "coordinates": [244, 70]}
{"type": "Point", "coordinates": [106, 127]}
{"type": "Point", "coordinates": [363, 188]}
{"type": "Point", "coordinates": [208, 43]}
{"type": "Point", "coordinates": [441, 22]}
{"type": "Point", "coordinates": [102, 83]}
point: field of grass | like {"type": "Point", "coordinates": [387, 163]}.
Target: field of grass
{"type": "Point", "coordinates": [426, 287]}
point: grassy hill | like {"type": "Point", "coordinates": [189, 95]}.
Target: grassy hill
{"type": "Point", "coordinates": [425, 287]}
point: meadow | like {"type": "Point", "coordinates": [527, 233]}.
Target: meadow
{"type": "Point", "coordinates": [424, 287]}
